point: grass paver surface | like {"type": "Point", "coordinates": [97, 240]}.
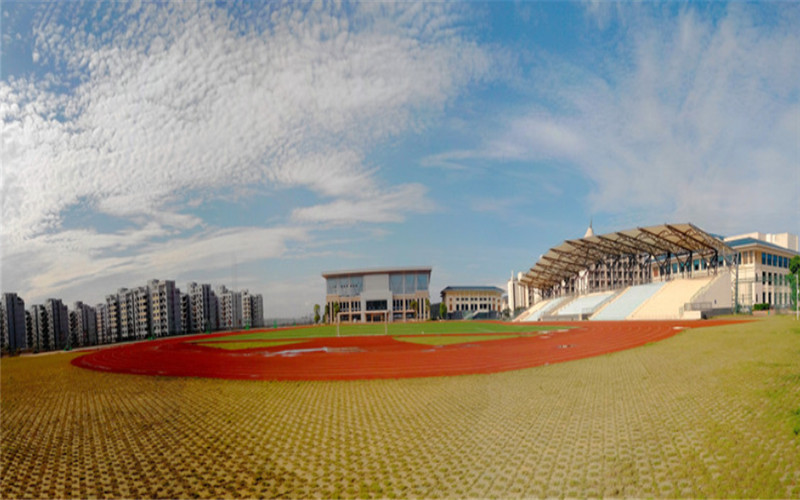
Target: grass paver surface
{"type": "Point", "coordinates": [709, 412]}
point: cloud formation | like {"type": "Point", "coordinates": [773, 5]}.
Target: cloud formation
{"type": "Point", "coordinates": [136, 109]}
{"type": "Point", "coordinates": [689, 119]}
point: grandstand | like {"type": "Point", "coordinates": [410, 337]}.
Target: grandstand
{"type": "Point", "coordinates": [630, 300]}
{"type": "Point", "coordinates": [667, 271]}
{"type": "Point", "coordinates": [581, 307]}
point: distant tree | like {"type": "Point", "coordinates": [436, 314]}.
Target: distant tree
{"type": "Point", "coordinates": [316, 313]}
{"type": "Point", "coordinates": [794, 278]}
{"type": "Point", "coordinates": [428, 307]}
{"type": "Point", "coordinates": [506, 313]}
{"type": "Point", "coordinates": [414, 305]}
{"type": "Point", "coordinates": [442, 311]}
{"type": "Point", "coordinates": [794, 265]}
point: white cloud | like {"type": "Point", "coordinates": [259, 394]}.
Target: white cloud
{"type": "Point", "coordinates": [692, 119]}
{"type": "Point", "coordinates": [186, 101]}
{"type": "Point", "coordinates": [382, 206]}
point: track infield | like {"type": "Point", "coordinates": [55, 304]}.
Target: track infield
{"type": "Point", "coordinates": [295, 354]}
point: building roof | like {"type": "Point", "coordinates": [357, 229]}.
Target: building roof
{"type": "Point", "coordinates": [741, 242]}
{"type": "Point", "coordinates": [573, 256]}
{"type": "Point", "coordinates": [378, 270]}
{"type": "Point", "coordinates": [473, 289]}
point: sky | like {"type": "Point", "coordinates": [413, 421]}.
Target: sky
{"type": "Point", "coordinates": [260, 144]}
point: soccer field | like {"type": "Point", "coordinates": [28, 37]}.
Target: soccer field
{"type": "Point", "coordinates": [710, 412]}
{"type": "Point", "coordinates": [411, 328]}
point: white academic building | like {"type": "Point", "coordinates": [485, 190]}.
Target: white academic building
{"type": "Point", "coordinates": [763, 268]}
{"type": "Point", "coordinates": [378, 295]}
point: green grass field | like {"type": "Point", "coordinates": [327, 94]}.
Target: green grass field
{"type": "Point", "coordinates": [247, 344]}
{"type": "Point", "coordinates": [713, 412]}
{"type": "Point", "coordinates": [393, 329]}
{"type": "Point", "coordinates": [451, 339]}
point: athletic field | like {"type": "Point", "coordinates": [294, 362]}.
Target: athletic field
{"type": "Point", "coordinates": [708, 412]}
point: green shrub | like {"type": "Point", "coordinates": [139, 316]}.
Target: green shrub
{"type": "Point", "coordinates": [761, 307]}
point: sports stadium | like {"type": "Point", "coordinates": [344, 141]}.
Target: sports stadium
{"type": "Point", "coordinates": [611, 383]}
{"type": "Point", "coordinates": [668, 271]}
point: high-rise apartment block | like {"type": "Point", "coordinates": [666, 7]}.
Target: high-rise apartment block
{"type": "Point", "coordinates": [165, 304]}
{"type": "Point", "coordinates": [12, 322]}
{"type": "Point", "coordinates": [57, 331]}
{"type": "Point", "coordinates": [156, 310]}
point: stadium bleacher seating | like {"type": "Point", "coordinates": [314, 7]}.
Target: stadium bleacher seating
{"type": "Point", "coordinates": [667, 303]}
{"type": "Point", "coordinates": [546, 308]}
{"type": "Point", "coordinates": [627, 302]}
{"type": "Point", "coordinates": [583, 305]}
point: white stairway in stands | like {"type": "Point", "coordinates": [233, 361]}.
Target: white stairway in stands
{"type": "Point", "coordinates": [532, 309]}
{"type": "Point", "coordinates": [547, 306]}
{"type": "Point", "coordinates": [587, 303]}
{"type": "Point", "coordinates": [667, 303]}
{"type": "Point", "coordinates": [627, 302]}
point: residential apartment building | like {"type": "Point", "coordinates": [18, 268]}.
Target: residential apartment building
{"type": "Point", "coordinates": [12, 323]}
{"type": "Point", "coordinates": [203, 310]}
{"type": "Point", "coordinates": [230, 308]}
{"type": "Point", "coordinates": [38, 329]}
{"type": "Point", "coordinates": [165, 304]}
{"type": "Point", "coordinates": [252, 310]}
{"type": "Point", "coordinates": [57, 331]}
{"type": "Point", "coordinates": [83, 325]}
{"type": "Point", "coordinates": [102, 322]}
{"type": "Point", "coordinates": [141, 313]}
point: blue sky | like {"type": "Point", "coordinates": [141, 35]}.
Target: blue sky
{"type": "Point", "coordinates": [257, 145]}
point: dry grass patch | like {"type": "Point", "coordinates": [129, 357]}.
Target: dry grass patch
{"type": "Point", "coordinates": [707, 413]}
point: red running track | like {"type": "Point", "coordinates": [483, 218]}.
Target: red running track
{"type": "Point", "coordinates": [380, 357]}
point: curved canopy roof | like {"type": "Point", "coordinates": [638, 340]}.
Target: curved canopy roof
{"type": "Point", "coordinates": [573, 256]}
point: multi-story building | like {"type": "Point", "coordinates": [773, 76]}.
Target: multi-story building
{"type": "Point", "coordinates": [186, 313]}
{"type": "Point", "coordinates": [141, 313]}
{"type": "Point", "coordinates": [252, 310]}
{"type": "Point", "coordinates": [257, 309]}
{"type": "Point", "coordinates": [764, 268]}
{"type": "Point", "coordinates": [39, 325]}
{"type": "Point", "coordinates": [519, 296]}
{"type": "Point", "coordinates": [83, 325]}
{"type": "Point", "coordinates": [378, 295]}
{"type": "Point", "coordinates": [114, 310]}
{"type": "Point", "coordinates": [57, 331]}
{"type": "Point", "coordinates": [203, 309]}
{"type": "Point", "coordinates": [230, 308]}
{"type": "Point", "coordinates": [12, 322]}
{"type": "Point", "coordinates": [470, 301]}
{"type": "Point", "coordinates": [101, 320]}
{"type": "Point", "coordinates": [127, 321]}
{"type": "Point", "coordinates": [165, 304]}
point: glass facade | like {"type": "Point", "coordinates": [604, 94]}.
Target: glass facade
{"type": "Point", "coordinates": [346, 287]}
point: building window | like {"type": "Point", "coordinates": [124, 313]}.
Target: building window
{"type": "Point", "coordinates": [376, 305]}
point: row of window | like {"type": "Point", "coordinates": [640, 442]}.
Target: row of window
{"type": "Point", "coordinates": [781, 299]}
{"type": "Point", "coordinates": [353, 286]}
{"type": "Point", "coordinates": [767, 259]}
{"type": "Point", "coordinates": [408, 283]}
{"type": "Point", "coordinates": [776, 279]}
